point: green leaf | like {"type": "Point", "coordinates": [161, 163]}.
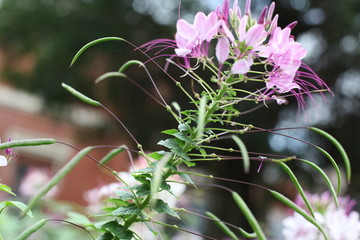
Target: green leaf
{"type": "Point", "coordinates": [157, 155]}
{"type": "Point", "coordinates": [80, 96]}
{"type": "Point", "coordinates": [118, 230]}
{"type": "Point", "coordinates": [145, 170]}
{"type": "Point", "coordinates": [183, 127]}
{"type": "Point", "coordinates": [181, 153]}
{"type": "Point", "coordinates": [186, 177]}
{"type": "Point", "coordinates": [124, 195]}
{"type": "Point", "coordinates": [300, 211]}
{"type": "Point", "coordinates": [244, 153]}
{"type": "Point", "coordinates": [182, 136]}
{"type": "Point", "coordinates": [189, 164]}
{"type": "Point", "coordinates": [156, 181]}
{"type": "Point", "coordinates": [92, 43]}
{"type": "Point", "coordinates": [326, 178]}
{"type": "Point", "coordinates": [339, 147]}
{"type": "Point", "coordinates": [129, 63]}
{"type": "Point", "coordinates": [25, 234]}
{"type": "Point", "coordinates": [27, 142]}
{"type": "Point", "coordinates": [113, 153]}
{"type": "Point", "coordinates": [78, 218]}
{"type": "Point", "coordinates": [162, 207]}
{"type": "Point", "coordinates": [122, 211]}
{"type": "Point", "coordinates": [109, 75]}
{"type": "Point", "coordinates": [222, 226]}
{"type": "Point", "coordinates": [249, 216]}
{"type": "Point", "coordinates": [170, 131]}
{"type": "Point", "coordinates": [337, 170]}
{"type": "Point", "coordinates": [142, 189]}
{"type": "Point", "coordinates": [106, 236]}
{"type": "Point", "coordinates": [170, 143]}
{"type": "Point", "coordinates": [201, 121]}
{"type": "Point", "coordinates": [6, 189]}
{"type": "Point", "coordinates": [17, 204]}
{"type": "Point", "coordinates": [151, 229]}
{"type": "Point", "coordinates": [298, 186]}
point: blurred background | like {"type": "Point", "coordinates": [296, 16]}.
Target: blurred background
{"type": "Point", "coordinates": [39, 38]}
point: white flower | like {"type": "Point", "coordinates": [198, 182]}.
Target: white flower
{"type": "Point", "coordinates": [3, 161]}
{"type": "Point", "coordinates": [339, 223]}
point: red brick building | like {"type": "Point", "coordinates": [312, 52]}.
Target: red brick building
{"type": "Point", "coordinates": [21, 117]}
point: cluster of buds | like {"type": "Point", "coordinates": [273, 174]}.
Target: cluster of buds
{"type": "Point", "coordinates": [246, 48]}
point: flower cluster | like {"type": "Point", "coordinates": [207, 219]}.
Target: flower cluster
{"type": "Point", "coordinates": [9, 155]}
{"type": "Point", "coordinates": [34, 180]}
{"type": "Point", "coordinates": [340, 223]}
{"type": "Point", "coordinates": [246, 46]}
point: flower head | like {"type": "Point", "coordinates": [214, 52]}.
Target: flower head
{"type": "Point", "coordinates": [190, 38]}
{"type": "Point", "coordinates": [9, 155]}
{"type": "Point", "coordinates": [242, 41]}
{"type": "Point", "coordinates": [340, 223]}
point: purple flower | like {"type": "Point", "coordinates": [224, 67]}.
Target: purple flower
{"type": "Point", "coordinates": [281, 81]}
{"type": "Point", "coordinates": [190, 37]}
{"type": "Point", "coordinates": [9, 151]}
{"type": "Point", "coordinates": [283, 52]}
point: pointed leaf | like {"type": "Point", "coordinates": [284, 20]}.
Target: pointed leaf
{"type": "Point", "coordinates": [113, 153]}
{"type": "Point", "coordinates": [297, 209]}
{"type": "Point", "coordinates": [88, 45]}
{"type": "Point", "coordinates": [222, 226]}
{"type": "Point", "coordinates": [336, 167]}
{"type": "Point", "coordinates": [6, 189]}
{"type": "Point", "coordinates": [109, 75]}
{"type": "Point", "coordinates": [17, 204]}
{"type": "Point", "coordinates": [122, 211]}
{"type": "Point", "coordinates": [162, 207]}
{"type": "Point", "coordinates": [339, 147]}
{"type": "Point", "coordinates": [27, 142]}
{"type": "Point", "coordinates": [298, 186]}
{"type": "Point", "coordinates": [80, 96]}
{"type": "Point", "coordinates": [244, 153]}
{"type": "Point", "coordinates": [249, 216]}
{"type": "Point", "coordinates": [326, 178]}
{"type": "Point", "coordinates": [118, 230]}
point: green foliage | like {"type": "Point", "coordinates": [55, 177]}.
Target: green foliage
{"type": "Point", "coordinates": [6, 189]}
{"type": "Point", "coordinates": [115, 231]}
{"type": "Point", "coordinates": [17, 204]}
{"type": "Point", "coordinates": [32, 229]}
{"type": "Point", "coordinates": [162, 207]}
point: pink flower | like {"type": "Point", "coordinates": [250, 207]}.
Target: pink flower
{"type": "Point", "coordinates": [283, 51]}
{"type": "Point", "coordinates": [34, 180]}
{"type": "Point", "coordinates": [281, 81]}
{"type": "Point", "coordinates": [189, 37]}
{"type": "Point", "coordinates": [242, 66]}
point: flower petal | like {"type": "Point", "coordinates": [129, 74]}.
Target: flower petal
{"type": "Point", "coordinates": [3, 161]}
{"type": "Point", "coordinates": [222, 49]}
{"type": "Point", "coordinates": [242, 66]}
